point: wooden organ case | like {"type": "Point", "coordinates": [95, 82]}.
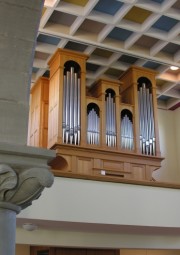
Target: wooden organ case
{"type": "Point", "coordinates": [109, 129]}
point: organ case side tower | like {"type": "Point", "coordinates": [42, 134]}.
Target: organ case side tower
{"type": "Point", "coordinates": [67, 98]}
{"type": "Point", "coordinates": [139, 89]}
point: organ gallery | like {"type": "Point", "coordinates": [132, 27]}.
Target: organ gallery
{"type": "Point", "coordinates": [109, 129]}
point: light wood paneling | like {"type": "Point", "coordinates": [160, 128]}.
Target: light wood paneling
{"type": "Point", "coordinates": [38, 126]}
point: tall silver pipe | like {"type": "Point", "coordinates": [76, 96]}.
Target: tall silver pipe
{"type": "Point", "coordinates": [106, 110]}
{"type": "Point", "coordinates": [71, 108]}
{"type": "Point", "coordinates": [107, 121]}
{"type": "Point", "coordinates": [67, 106]}
{"type": "Point", "coordinates": [126, 133]}
{"type": "Point", "coordinates": [140, 119]}
{"type": "Point", "coordinates": [146, 118]}
{"type": "Point", "coordinates": [78, 110]}
{"type": "Point", "coordinates": [114, 123]}
{"type": "Point", "coordinates": [110, 121]}
{"type": "Point", "coordinates": [75, 109]}
{"type": "Point", "coordinates": [92, 127]}
{"type": "Point", "coordinates": [64, 108]}
{"type": "Point", "coordinates": [71, 105]}
{"type": "Point", "coordinates": [153, 128]}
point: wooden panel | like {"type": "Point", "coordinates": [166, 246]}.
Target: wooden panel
{"type": "Point", "coordinates": [44, 112]}
{"type": "Point", "coordinates": [53, 109]}
{"type": "Point", "coordinates": [84, 165]}
{"type": "Point", "coordinates": [162, 252]}
{"type": "Point", "coordinates": [148, 252]}
{"type": "Point", "coordinates": [102, 85]}
{"type": "Point", "coordinates": [132, 252]}
{"type": "Point", "coordinates": [42, 250]}
{"type": "Point", "coordinates": [98, 163]}
{"type": "Point", "coordinates": [102, 252]}
{"type": "Point", "coordinates": [113, 165]}
{"type": "Point", "coordinates": [138, 172]}
{"type": "Point", "coordinates": [89, 161]}
{"type": "Point", "coordinates": [67, 251]}
{"type": "Point", "coordinates": [44, 134]}
{"type": "Point", "coordinates": [38, 113]}
{"type": "Point", "coordinates": [35, 117]}
{"type": "Point", "coordinates": [35, 123]}
{"type": "Point", "coordinates": [127, 96]}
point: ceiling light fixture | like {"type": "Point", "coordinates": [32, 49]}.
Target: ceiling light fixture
{"type": "Point", "coordinates": [174, 68]}
{"type": "Point", "coordinates": [29, 226]}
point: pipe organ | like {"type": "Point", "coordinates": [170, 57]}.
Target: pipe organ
{"type": "Point", "coordinates": [109, 129]}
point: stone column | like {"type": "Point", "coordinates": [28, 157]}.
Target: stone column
{"type": "Point", "coordinates": [24, 171]}
{"type": "Point", "coordinates": [19, 21]}
{"type": "Point", "coordinates": [24, 174]}
{"type": "Point", "coordinates": [8, 227]}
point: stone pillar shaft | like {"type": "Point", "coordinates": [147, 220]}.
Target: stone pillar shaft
{"type": "Point", "coordinates": [24, 172]}
{"type": "Point", "coordinates": [19, 20]}
{"type": "Point", "coordinates": [7, 228]}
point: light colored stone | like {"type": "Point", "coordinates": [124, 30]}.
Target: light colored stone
{"type": "Point", "coordinates": [24, 174]}
{"type": "Point", "coordinates": [7, 230]}
{"type": "Point", "coordinates": [33, 4]}
{"type": "Point", "coordinates": [11, 92]}
{"type": "Point", "coordinates": [17, 52]}
{"type": "Point", "coordinates": [20, 16]}
{"type": "Point", "coordinates": [22, 178]}
{"type": "Point", "coordinates": [14, 122]}
{"type": "Point", "coordinates": [20, 157]}
{"type": "Point", "coordinates": [21, 188]}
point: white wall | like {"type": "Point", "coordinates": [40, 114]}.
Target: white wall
{"type": "Point", "coordinates": [114, 210]}
{"type": "Point", "coordinates": [169, 132]}
{"type": "Point", "coordinates": [177, 134]}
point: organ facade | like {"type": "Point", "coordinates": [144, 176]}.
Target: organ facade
{"type": "Point", "coordinates": [109, 129]}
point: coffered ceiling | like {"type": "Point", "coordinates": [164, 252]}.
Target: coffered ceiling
{"type": "Point", "coordinates": [115, 35]}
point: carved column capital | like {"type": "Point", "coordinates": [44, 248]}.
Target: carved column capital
{"type": "Point", "coordinates": [21, 188]}
{"type": "Point", "coordinates": [24, 173]}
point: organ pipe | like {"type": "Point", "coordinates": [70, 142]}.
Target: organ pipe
{"type": "Point", "coordinates": [146, 121]}
{"type": "Point", "coordinates": [127, 133]}
{"type": "Point", "coordinates": [93, 127]}
{"type": "Point", "coordinates": [110, 121]}
{"type": "Point", "coordinates": [71, 108]}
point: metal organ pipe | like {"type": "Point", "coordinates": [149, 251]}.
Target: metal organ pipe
{"type": "Point", "coordinates": [71, 108]}
{"type": "Point", "coordinates": [127, 139]}
{"type": "Point", "coordinates": [93, 127]}
{"type": "Point", "coordinates": [78, 110]}
{"type": "Point", "coordinates": [146, 121]}
{"type": "Point", "coordinates": [110, 121]}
